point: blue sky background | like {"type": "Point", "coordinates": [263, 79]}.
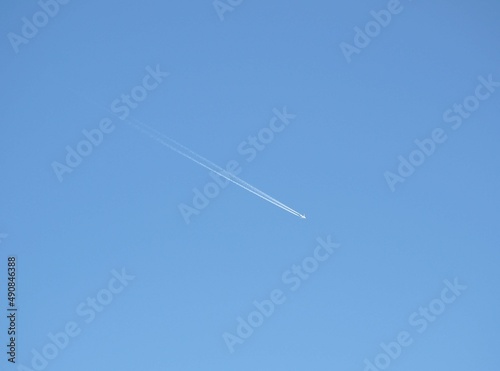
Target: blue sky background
{"type": "Point", "coordinates": [119, 208]}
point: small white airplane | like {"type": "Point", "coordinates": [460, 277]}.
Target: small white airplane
{"type": "Point", "coordinates": [303, 216]}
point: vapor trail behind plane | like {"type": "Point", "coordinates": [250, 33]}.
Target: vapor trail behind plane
{"type": "Point", "coordinates": [200, 160]}
{"type": "Point", "coordinates": [193, 156]}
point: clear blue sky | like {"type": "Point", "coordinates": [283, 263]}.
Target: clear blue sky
{"type": "Point", "coordinates": [355, 114]}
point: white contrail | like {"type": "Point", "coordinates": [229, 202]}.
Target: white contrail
{"type": "Point", "coordinates": [200, 160]}
{"type": "Point", "coordinates": [193, 156]}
